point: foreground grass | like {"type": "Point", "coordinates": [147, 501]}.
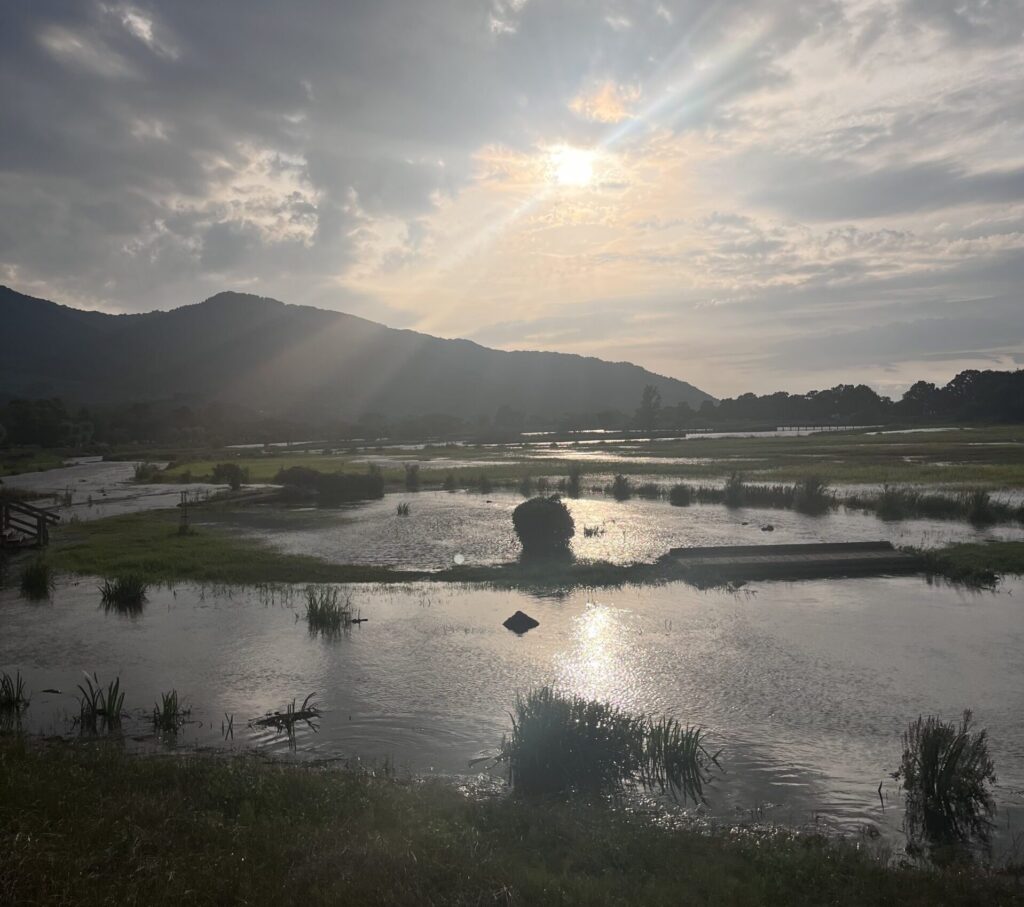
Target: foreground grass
{"type": "Point", "coordinates": [86, 824]}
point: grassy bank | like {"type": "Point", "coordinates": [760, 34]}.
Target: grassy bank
{"type": "Point", "coordinates": [86, 824]}
{"type": "Point", "coordinates": [978, 564]}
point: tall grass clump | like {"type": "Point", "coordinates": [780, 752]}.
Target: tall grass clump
{"type": "Point", "coordinates": [734, 492]}
{"type": "Point", "coordinates": [146, 472]}
{"type": "Point", "coordinates": [449, 483]}
{"type": "Point", "coordinates": [947, 773]}
{"type": "Point", "coordinates": [99, 705]}
{"type": "Point", "coordinates": [978, 507]}
{"type": "Point", "coordinates": [327, 612]}
{"type": "Point", "coordinates": [13, 697]}
{"type": "Point", "coordinates": [561, 743]}
{"type": "Point", "coordinates": [125, 593]}
{"type": "Point", "coordinates": [812, 496]}
{"type": "Point", "coordinates": [621, 489]}
{"type": "Point", "coordinates": [169, 714]}
{"type": "Point", "coordinates": [403, 509]}
{"type": "Point", "coordinates": [485, 486]}
{"type": "Point", "coordinates": [680, 495]}
{"type": "Point", "coordinates": [651, 491]}
{"type": "Point", "coordinates": [574, 480]}
{"type": "Point", "coordinates": [37, 581]}
{"type": "Point", "coordinates": [526, 486]}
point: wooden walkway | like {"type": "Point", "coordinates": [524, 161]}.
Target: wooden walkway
{"type": "Point", "coordinates": [811, 561]}
{"type": "Point", "coordinates": [25, 526]}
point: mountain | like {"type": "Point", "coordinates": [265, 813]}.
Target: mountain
{"type": "Point", "coordinates": [295, 360]}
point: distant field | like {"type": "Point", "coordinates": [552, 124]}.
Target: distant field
{"type": "Point", "coordinates": [989, 456]}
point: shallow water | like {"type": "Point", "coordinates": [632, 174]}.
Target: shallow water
{"type": "Point", "coordinates": [807, 686]}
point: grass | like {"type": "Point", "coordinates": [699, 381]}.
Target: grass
{"type": "Point", "coordinates": [100, 706]}
{"type": "Point", "coordinates": [13, 697]}
{"type": "Point", "coordinates": [125, 593]}
{"type": "Point", "coordinates": [403, 509]}
{"type": "Point", "coordinates": [37, 580]}
{"type": "Point", "coordinates": [680, 495]}
{"type": "Point", "coordinates": [947, 774]}
{"type": "Point", "coordinates": [285, 721]}
{"type": "Point", "coordinates": [90, 825]}
{"type": "Point", "coordinates": [621, 489]}
{"type": "Point", "coordinates": [562, 743]}
{"type": "Point", "coordinates": [976, 563]}
{"type": "Point", "coordinates": [327, 613]}
{"type": "Point", "coordinates": [812, 496]}
{"type": "Point", "coordinates": [169, 714]}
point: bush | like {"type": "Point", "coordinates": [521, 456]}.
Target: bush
{"type": "Point", "coordinates": [544, 526]}
{"type": "Point", "coordinates": [572, 485]}
{"type": "Point", "coordinates": [680, 495]}
{"type": "Point", "coordinates": [947, 773]}
{"type": "Point", "coordinates": [621, 489]}
{"type": "Point", "coordinates": [230, 474]}
{"type": "Point", "coordinates": [649, 490]}
{"type": "Point", "coordinates": [733, 493]}
{"type": "Point", "coordinates": [412, 476]}
{"type": "Point", "coordinates": [526, 486]}
{"type": "Point", "coordinates": [978, 505]}
{"type": "Point", "coordinates": [812, 496]}
{"type": "Point", "coordinates": [449, 483]}
{"type": "Point", "coordinates": [334, 488]}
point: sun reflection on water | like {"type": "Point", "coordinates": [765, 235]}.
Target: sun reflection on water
{"type": "Point", "coordinates": [602, 662]}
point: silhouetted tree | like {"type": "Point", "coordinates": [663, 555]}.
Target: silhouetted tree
{"type": "Point", "coordinates": [544, 526]}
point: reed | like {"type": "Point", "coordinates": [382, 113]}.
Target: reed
{"type": "Point", "coordinates": [292, 715]}
{"type": "Point", "coordinates": [125, 593]}
{"type": "Point", "coordinates": [327, 611]}
{"type": "Point", "coordinates": [169, 714]}
{"type": "Point", "coordinates": [13, 697]}
{"type": "Point", "coordinates": [562, 743]}
{"type": "Point", "coordinates": [37, 580]}
{"type": "Point", "coordinates": [99, 705]}
{"type": "Point", "coordinates": [812, 496]}
{"type": "Point", "coordinates": [680, 495]}
{"type": "Point", "coordinates": [621, 488]}
{"type": "Point", "coordinates": [402, 509]}
{"type": "Point", "coordinates": [734, 493]}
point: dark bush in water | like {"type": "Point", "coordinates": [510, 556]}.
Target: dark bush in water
{"type": "Point", "coordinates": [649, 490]}
{"type": "Point", "coordinates": [572, 484]}
{"type": "Point", "coordinates": [812, 496]}
{"type": "Point", "coordinates": [621, 489]}
{"type": "Point", "coordinates": [734, 492]}
{"type": "Point", "coordinates": [544, 526]}
{"type": "Point", "coordinates": [680, 495]}
{"type": "Point", "coordinates": [334, 488]}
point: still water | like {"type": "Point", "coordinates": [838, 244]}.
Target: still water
{"type": "Point", "coordinates": [807, 686]}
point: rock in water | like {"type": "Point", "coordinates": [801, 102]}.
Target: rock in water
{"type": "Point", "coordinates": [520, 622]}
{"type": "Point", "coordinates": [768, 528]}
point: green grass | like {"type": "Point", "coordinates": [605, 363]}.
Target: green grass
{"type": "Point", "coordinates": [36, 580]}
{"type": "Point", "coordinates": [125, 593]}
{"type": "Point", "coordinates": [89, 825]}
{"type": "Point", "coordinates": [561, 743]}
{"type": "Point", "coordinates": [976, 563]}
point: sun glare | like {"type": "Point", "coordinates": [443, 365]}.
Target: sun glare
{"type": "Point", "coordinates": [572, 166]}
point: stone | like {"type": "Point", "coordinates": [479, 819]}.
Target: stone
{"type": "Point", "coordinates": [520, 623]}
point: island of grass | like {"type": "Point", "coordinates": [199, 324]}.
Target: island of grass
{"type": "Point", "coordinates": [149, 546]}
{"type": "Point", "coordinates": [85, 823]}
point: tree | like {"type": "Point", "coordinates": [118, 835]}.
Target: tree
{"type": "Point", "coordinates": [544, 526]}
{"type": "Point", "coordinates": [650, 407]}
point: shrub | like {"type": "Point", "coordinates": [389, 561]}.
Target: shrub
{"type": "Point", "coordinates": [561, 743]}
{"type": "Point", "coordinates": [230, 474]}
{"type": "Point", "coordinates": [526, 486]}
{"type": "Point", "coordinates": [947, 773]}
{"type": "Point", "coordinates": [680, 495]}
{"type": "Point", "coordinates": [649, 490]}
{"type": "Point", "coordinates": [733, 493]}
{"type": "Point", "coordinates": [334, 488]}
{"type": "Point", "coordinates": [37, 580]}
{"type": "Point", "coordinates": [412, 476]}
{"type": "Point", "coordinates": [621, 489]}
{"type": "Point", "coordinates": [544, 526]}
{"type": "Point", "coordinates": [573, 482]}
{"type": "Point", "coordinates": [812, 496]}
{"type": "Point", "coordinates": [146, 472]}
{"type": "Point", "coordinates": [449, 483]}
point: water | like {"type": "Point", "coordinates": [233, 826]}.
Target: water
{"type": "Point", "coordinates": [807, 686]}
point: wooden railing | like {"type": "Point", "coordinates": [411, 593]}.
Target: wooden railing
{"type": "Point", "coordinates": [22, 525]}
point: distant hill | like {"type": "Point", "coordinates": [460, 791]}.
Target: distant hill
{"type": "Point", "coordinates": [295, 360]}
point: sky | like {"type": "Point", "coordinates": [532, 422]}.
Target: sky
{"type": "Point", "coordinates": [750, 195]}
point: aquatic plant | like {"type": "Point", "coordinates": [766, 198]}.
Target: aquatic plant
{"type": "Point", "coordinates": [169, 714]}
{"type": "Point", "coordinates": [649, 490]}
{"type": "Point", "coordinates": [402, 509]}
{"type": "Point", "coordinates": [327, 612]}
{"type": "Point", "coordinates": [733, 494]}
{"type": "Point", "coordinates": [526, 486]}
{"type": "Point", "coordinates": [544, 526]}
{"type": "Point", "coordinates": [621, 489]}
{"type": "Point", "coordinates": [98, 704]}
{"type": "Point", "coordinates": [680, 495]}
{"type": "Point", "coordinates": [561, 743]}
{"type": "Point", "coordinates": [978, 507]}
{"type": "Point", "coordinates": [812, 496]}
{"type": "Point", "coordinates": [12, 692]}
{"type": "Point", "coordinates": [37, 580]}
{"type": "Point", "coordinates": [542, 484]}
{"type": "Point", "coordinates": [125, 593]}
{"type": "Point", "coordinates": [412, 476]}
{"type": "Point", "coordinates": [292, 715]}
{"type": "Point", "coordinates": [947, 773]}
{"type": "Point", "coordinates": [449, 483]}
{"type": "Point", "coordinates": [590, 532]}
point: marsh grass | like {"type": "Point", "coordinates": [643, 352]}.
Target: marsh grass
{"type": "Point", "coordinates": [574, 480]}
{"type": "Point", "coordinates": [680, 495]}
{"type": "Point", "coordinates": [947, 773]}
{"type": "Point", "coordinates": [621, 488]}
{"type": "Point", "coordinates": [100, 706]}
{"type": "Point", "coordinates": [563, 743]}
{"type": "Point", "coordinates": [125, 593]}
{"type": "Point", "coordinates": [13, 697]}
{"type": "Point", "coordinates": [169, 714]}
{"type": "Point", "coordinates": [812, 496]}
{"type": "Point", "coordinates": [412, 476]}
{"type": "Point", "coordinates": [37, 580]}
{"type": "Point", "coordinates": [650, 491]}
{"type": "Point", "coordinates": [734, 493]}
{"type": "Point", "coordinates": [403, 509]}
{"type": "Point", "coordinates": [146, 473]}
{"type": "Point", "coordinates": [328, 613]}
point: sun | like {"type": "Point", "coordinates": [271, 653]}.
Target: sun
{"type": "Point", "coordinates": [571, 166]}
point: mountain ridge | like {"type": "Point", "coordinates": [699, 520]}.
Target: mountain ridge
{"type": "Point", "coordinates": [276, 357]}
